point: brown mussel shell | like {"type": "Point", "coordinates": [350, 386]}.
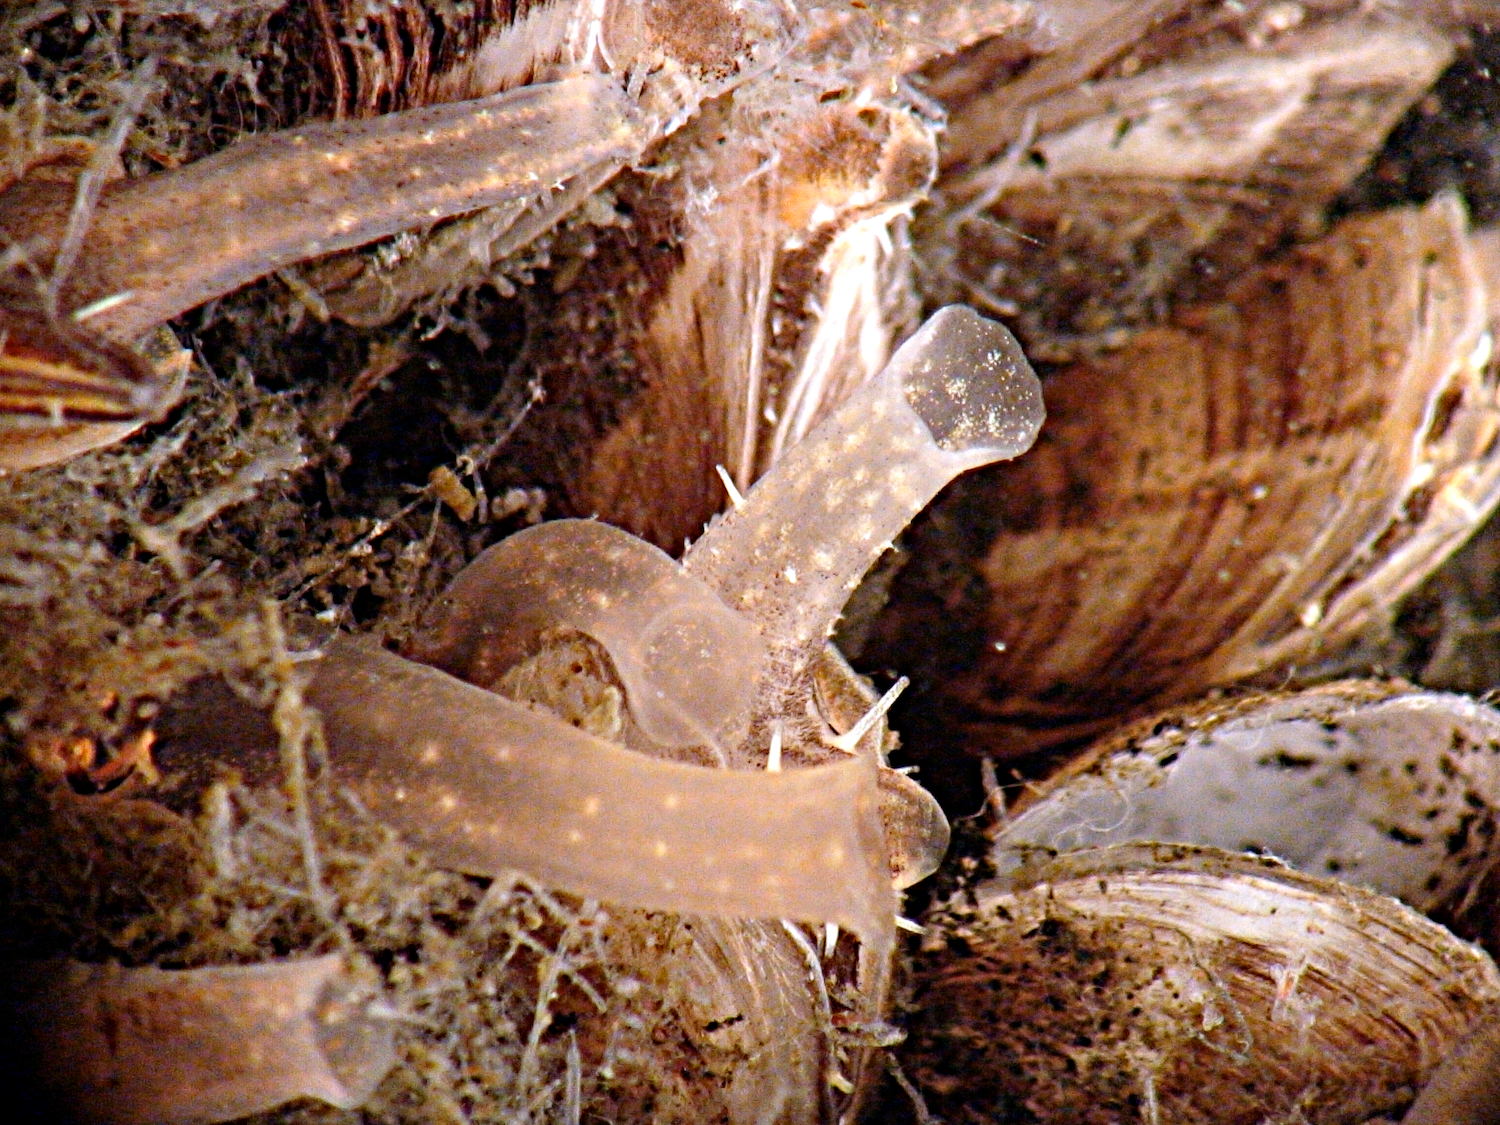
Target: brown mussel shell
{"type": "Point", "coordinates": [1239, 490]}
{"type": "Point", "coordinates": [1160, 155]}
{"type": "Point", "coordinates": [65, 389]}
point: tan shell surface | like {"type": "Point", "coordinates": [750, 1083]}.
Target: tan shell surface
{"type": "Point", "coordinates": [1234, 492]}
{"type": "Point", "coordinates": [1168, 147]}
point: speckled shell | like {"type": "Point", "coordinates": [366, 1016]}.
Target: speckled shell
{"type": "Point", "coordinates": [1156, 983]}
{"type": "Point", "coordinates": [1374, 783]}
{"type": "Point", "coordinates": [1238, 491]}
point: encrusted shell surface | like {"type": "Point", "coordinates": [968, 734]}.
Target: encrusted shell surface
{"type": "Point", "coordinates": [1191, 922]}
{"type": "Point", "coordinates": [1160, 983]}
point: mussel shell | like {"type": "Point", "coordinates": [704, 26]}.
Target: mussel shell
{"type": "Point", "coordinates": [1236, 492]}
{"type": "Point", "coordinates": [1190, 151]}
{"type": "Point", "coordinates": [1375, 784]}
{"type": "Point", "coordinates": [65, 389]}
{"type": "Point", "coordinates": [1161, 983]}
{"type": "Point", "coordinates": [777, 302]}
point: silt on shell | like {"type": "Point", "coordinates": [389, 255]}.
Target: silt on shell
{"type": "Point", "coordinates": [1162, 983]}
{"type": "Point", "coordinates": [1198, 919]}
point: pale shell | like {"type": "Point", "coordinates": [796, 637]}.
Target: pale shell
{"type": "Point", "coordinates": [1378, 785]}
